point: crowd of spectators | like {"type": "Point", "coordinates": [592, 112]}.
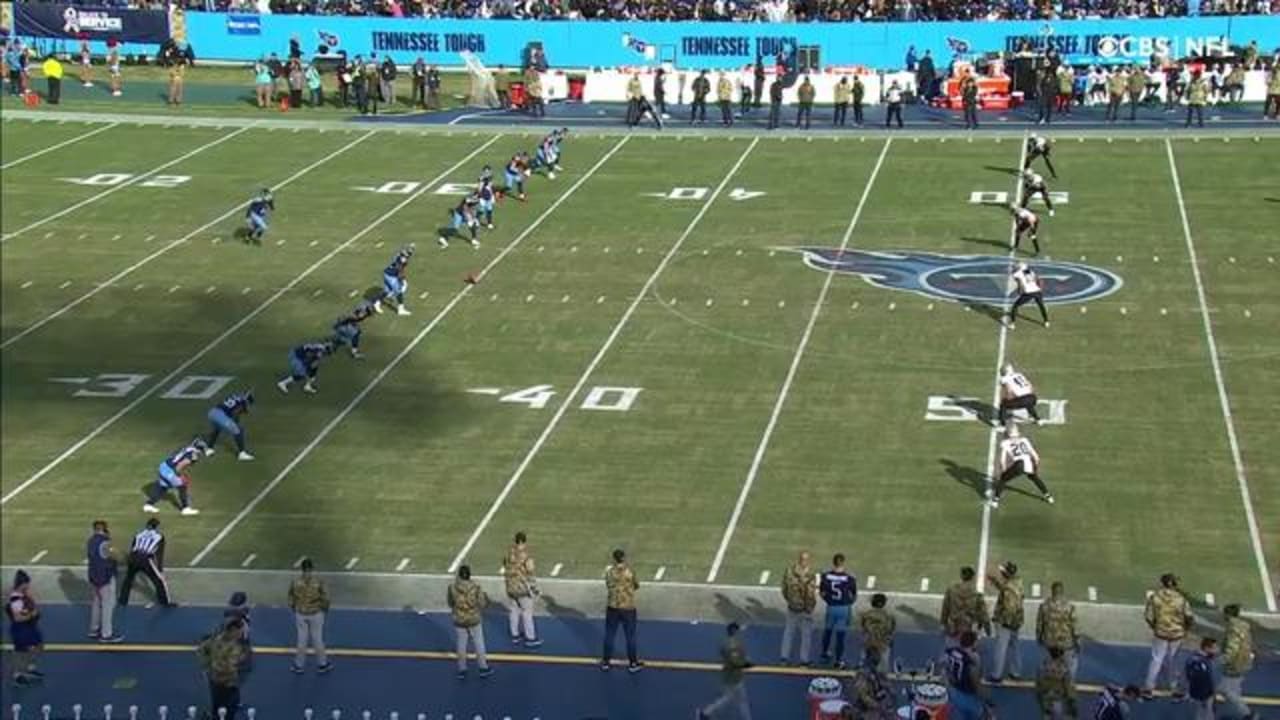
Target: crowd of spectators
{"type": "Point", "coordinates": [736, 10]}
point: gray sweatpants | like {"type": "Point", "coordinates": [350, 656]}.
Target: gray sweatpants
{"type": "Point", "coordinates": [1164, 654]}
{"type": "Point", "coordinates": [310, 629]}
{"type": "Point", "coordinates": [102, 605]}
{"type": "Point", "coordinates": [1005, 650]}
{"type": "Point", "coordinates": [1232, 689]}
{"type": "Point", "coordinates": [735, 696]}
{"type": "Point", "coordinates": [476, 635]}
{"type": "Point", "coordinates": [797, 622]}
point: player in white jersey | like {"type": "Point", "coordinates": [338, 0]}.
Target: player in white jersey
{"type": "Point", "coordinates": [1039, 146]}
{"type": "Point", "coordinates": [1026, 222]}
{"type": "Point", "coordinates": [1032, 185]}
{"type": "Point", "coordinates": [1017, 457]}
{"type": "Point", "coordinates": [1017, 393]}
{"type": "Point", "coordinates": [1029, 290]}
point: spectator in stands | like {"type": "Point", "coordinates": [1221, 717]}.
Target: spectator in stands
{"type": "Point", "coordinates": [467, 603]}
{"type": "Point", "coordinates": [262, 82]}
{"type": "Point", "coordinates": [963, 609]}
{"type": "Point", "coordinates": [522, 590]}
{"type": "Point", "coordinates": [309, 600]}
{"type": "Point", "coordinates": [102, 561]}
{"type": "Point", "coordinates": [734, 664]}
{"type": "Point", "coordinates": [419, 75]}
{"type": "Point", "coordinates": [1168, 613]}
{"type": "Point", "coordinates": [839, 590]}
{"type": "Point", "coordinates": [620, 610]}
{"type": "Point", "coordinates": [24, 631]}
{"type": "Point", "coordinates": [800, 591]}
{"type": "Point", "coordinates": [221, 655]}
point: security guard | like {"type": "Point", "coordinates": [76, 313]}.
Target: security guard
{"type": "Point", "coordinates": [701, 88]}
{"type": "Point", "coordinates": [1056, 626]}
{"type": "Point", "coordinates": [1197, 96]}
{"type": "Point", "coordinates": [969, 96]}
{"type": "Point", "coordinates": [806, 94]}
{"type": "Point", "coordinates": [1137, 84]}
{"type": "Point", "coordinates": [878, 627]}
{"type": "Point", "coordinates": [859, 92]}
{"type": "Point", "coordinates": [843, 93]}
{"type": "Point", "coordinates": [220, 655]}
{"type": "Point", "coordinates": [963, 608]}
{"type": "Point", "coordinates": [724, 95]}
{"type": "Point", "coordinates": [1008, 617]}
{"type": "Point", "coordinates": [775, 104]}
{"type": "Point", "coordinates": [635, 94]}
{"type": "Point", "coordinates": [1054, 689]}
{"type": "Point", "coordinates": [1168, 614]}
{"type": "Point", "coordinates": [800, 591]}
{"type": "Point", "coordinates": [1237, 660]}
{"type": "Point", "coordinates": [1116, 83]}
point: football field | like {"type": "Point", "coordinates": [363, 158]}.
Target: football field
{"type": "Point", "coordinates": [711, 350]}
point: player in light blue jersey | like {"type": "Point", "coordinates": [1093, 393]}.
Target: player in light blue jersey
{"type": "Point", "coordinates": [346, 331]}
{"type": "Point", "coordinates": [225, 416]}
{"type": "Point", "coordinates": [464, 215]}
{"type": "Point", "coordinates": [394, 281]}
{"type": "Point", "coordinates": [546, 156]}
{"type": "Point", "coordinates": [173, 475]}
{"type": "Point", "coordinates": [259, 212]}
{"type": "Point", "coordinates": [304, 361]}
{"type": "Point", "coordinates": [517, 170]}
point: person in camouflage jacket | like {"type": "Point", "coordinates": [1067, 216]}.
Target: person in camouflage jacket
{"type": "Point", "coordinates": [220, 656]}
{"type": "Point", "coordinates": [963, 608]}
{"type": "Point", "coordinates": [800, 591]}
{"type": "Point", "coordinates": [1168, 614]}
{"type": "Point", "coordinates": [1237, 661]}
{"type": "Point", "coordinates": [1056, 626]}
{"type": "Point", "coordinates": [1055, 690]}
{"type": "Point", "coordinates": [620, 611]}
{"type": "Point", "coordinates": [878, 626]}
{"type": "Point", "coordinates": [1008, 619]}
{"type": "Point", "coordinates": [522, 589]}
{"type": "Point", "coordinates": [467, 602]}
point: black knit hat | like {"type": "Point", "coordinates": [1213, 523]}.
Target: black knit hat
{"type": "Point", "coordinates": [21, 578]}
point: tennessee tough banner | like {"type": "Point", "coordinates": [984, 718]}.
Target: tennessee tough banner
{"type": "Point", "coordinates": [56, 20]}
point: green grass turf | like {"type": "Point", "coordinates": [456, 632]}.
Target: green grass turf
{"type": "Point", "coordinates": [1142, 468]}
{"type": "Point", "coordinates": [224, 91]}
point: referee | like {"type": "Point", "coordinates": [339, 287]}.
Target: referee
{"type": "Point", "coordinates": [146, 556]}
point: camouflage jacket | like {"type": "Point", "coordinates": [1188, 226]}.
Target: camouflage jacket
{"type": "Point", "coordinates": [467, 601]}
{"type": "Point", "coordinates": [963, 608]}
{"type": "Point", "coordinates": [1237, 648]}
{"type": "Point", "coordinates": [1008, 612]}
{"type": "Point", "coordinates": [517, 571]}
{"type": "Point", "coordinates": [621, 585]}
{"type": "Point", "coordinates": [1116, 83]}
{"type": "Point", "coordinates": [1168, 614]}
{"type": "Point", "coordinates": [1056, 624]}
{"type": "Point", "coordinates": [799, 589]}
{"type": "Point", "coordinates": [221, 656]}
{"type": "Point", "coordinates": [308, 595]}
{"type": "Point", "coordinates": [870, 694]}
{"type": "Point", "coordinates": [877, 627]}
{"type": "Point", "coordinates": [1053, 685]}
{"type": "Point", "coordinates": [1137, 83]}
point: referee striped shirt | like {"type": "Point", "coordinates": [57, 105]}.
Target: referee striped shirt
{"type": "Point", "coordinates": [147, 542]}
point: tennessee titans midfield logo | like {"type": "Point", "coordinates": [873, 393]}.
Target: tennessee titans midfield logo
{"type": "Point", "coordinates": [964, 278]}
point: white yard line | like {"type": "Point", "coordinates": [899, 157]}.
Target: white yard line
{"type": "Point", "coordinates": [123, 273]}
{"type": "Point", "coordinates": [382, 374]}
{"type": "Point", "coordinates": [758, 459]}
{"type": "Point", "coordinates": [595, 362]}
{"type": "Point", "coordinates": [134, 180]}
{"type": "Point", "coordinates": [163, 382]}
{"type": "Point", "coordinates": [1241, 478]}
{"type": "Point", "coordinates": [59, 146]}
{"type": "Point", "coordinates": [993, 440]}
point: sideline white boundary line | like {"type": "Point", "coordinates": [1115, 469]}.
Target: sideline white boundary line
{"type": "Point", "coordinates": [123, 273]}
{"type": "Point", "coordinates": [18, 161]}
{"type": "Point", "coordinates": [127, 183]}
{"type": "Point", "coordinates": [993, 443]}
{"type": "Point", "coordinates": [758, 459]}
{"type": "Point", "coordinates": [164, 381]}
{"type": "Point", "coordinates": [382, 374]}
{"type": "Point", "coordinates": [595, 361]}
{"type": "Point", "coordinates": [1241, 479]}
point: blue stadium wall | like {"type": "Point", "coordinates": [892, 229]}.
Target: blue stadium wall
{"type": "Point", "coordinates": [714, 45]}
